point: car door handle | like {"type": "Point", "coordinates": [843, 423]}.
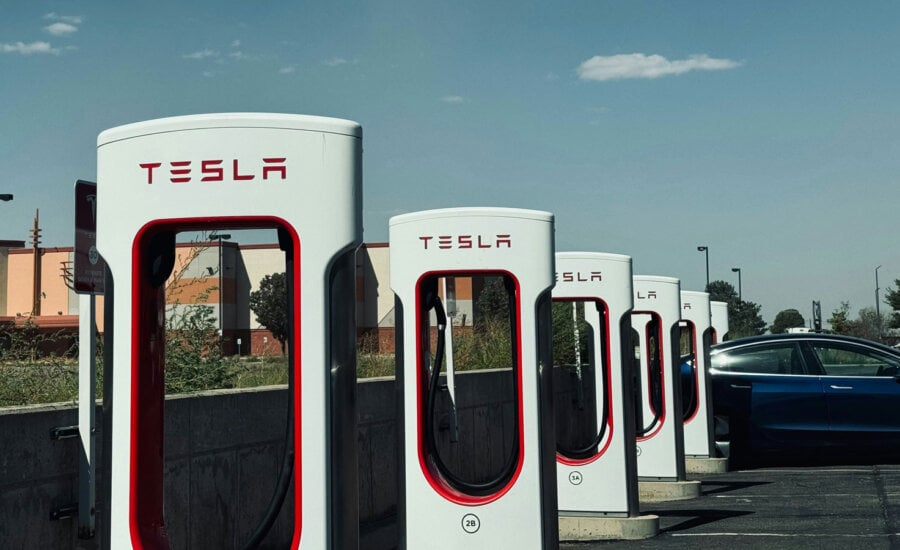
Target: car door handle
{"type": "Point", "coordinates": [841, 387]}
{"type": "Point", "coordinates": [741, 387]}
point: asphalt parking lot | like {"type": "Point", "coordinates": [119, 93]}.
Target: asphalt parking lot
{"type": "Point", "coordinates": [841, 507]}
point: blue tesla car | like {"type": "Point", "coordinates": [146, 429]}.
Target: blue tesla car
{"type": "Point", "coordinates": [805, 392]}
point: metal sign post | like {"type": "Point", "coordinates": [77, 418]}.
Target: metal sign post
{"type": "Point", "coordinates": [88, 281]}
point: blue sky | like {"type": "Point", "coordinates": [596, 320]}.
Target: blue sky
{"type": "Point", "coordinates": [768, 131]}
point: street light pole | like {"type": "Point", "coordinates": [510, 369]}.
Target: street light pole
{"type": "Point", "coordinates": [705, 250]}
{"type": "Point", "coordinates": [738, 271]}
{"type": "Point", "coordinates": [877, 305]}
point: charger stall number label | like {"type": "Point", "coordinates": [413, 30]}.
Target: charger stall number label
{"type": "Point", "coordinates": [470, 523]}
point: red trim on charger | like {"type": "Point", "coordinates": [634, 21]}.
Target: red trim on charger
{"type": "Point", "coordinates": [607, 438]}
{"type": "Point", "coordinates": [662, 372]}
{"type": "Point", "coordinates": [145, 506]}
{"type": "Point", "coordinates": [694, 374]}
{"type": "Point", "coordinates": [437, 483]}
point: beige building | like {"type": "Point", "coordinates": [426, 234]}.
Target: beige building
{"type": "Point", "coordinates": [219, 278]}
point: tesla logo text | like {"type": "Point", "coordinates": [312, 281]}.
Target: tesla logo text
{"type": "Point", "coordinates": [466, 241]}
{"type": "Point", "coordinates": [651, 295]}
{"type": "Point", "coordinates": [183, 171]}
{"type": "Point", "coordinates": [578, 276]}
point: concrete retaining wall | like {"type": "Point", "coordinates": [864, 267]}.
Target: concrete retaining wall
{"type": "Point", "coordinates": [223, 452]}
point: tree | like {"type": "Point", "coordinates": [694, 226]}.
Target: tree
{"type": "Point", "coordinates": [840, 320]}
{"type": "Point", "coordinates": [786, 319]}
{"type": "Point", "coordinates": [743, 316]}
{"type": "Point", "coordinates": [493, 301]}
{"type": "Point", "coordinates": [867, 325]}
{"type": "Point", "coordinates": [269, 303]}
{"type": "Point", "coordinates": [892, 298]}
{"type": "Point", "coordinates": [745, 320]}
{"type": "Point", "coordinates": [720, 291]}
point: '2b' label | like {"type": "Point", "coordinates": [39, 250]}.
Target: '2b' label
{"type": "Point", "coordinates": [471, 523]}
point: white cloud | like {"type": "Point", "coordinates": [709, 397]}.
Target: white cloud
{"type": "Point", "coordinates": [637, 65]}
{"type": "Point", "coordinates": [550, 77]}
{"type": "Point", "coordinates": [453, 99]}
{"type": "Point", "coordinates": [70, 19]}
{"type": "Point", "coordinates": [201, 54]}
{"type": "Point", "coordinates": [335, 61]}
{"type": "Point", "coordinates": [61, 29]}
{"type": "Point", "coordinates": [235, 43]}
{"type": "Point", "coordinates": [29, 49]}
{"type": "Point", "coordinates": [208, 74]}
{"type": "Point", "coordinates": [237, 55]}
{"type": "Point", "coordinates": [287, 70]}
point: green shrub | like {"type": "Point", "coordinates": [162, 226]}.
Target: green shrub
{"type": "Point", "coordinates": [194, 360]}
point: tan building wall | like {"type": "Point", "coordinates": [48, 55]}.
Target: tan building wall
{"type": "Point", "coordinates": [4, 276]}
{"type": "Point", "coordinates": [20, 281]}
{"type": "Point", "coordinates": [195, 279]}
{"type": "Point", "coordinates": [259, 261]}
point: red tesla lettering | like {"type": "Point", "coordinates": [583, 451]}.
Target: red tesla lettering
{"type": "Point", "coordinates": [467, 241]}
{"type": "Point", "coordinates": [213, 169]}
{"type": "Point", "coordinates": [236, 176]}
{"type": "Point", "coordinates": [181, 171]}
{"type": "Point", "coordinates": [573, 276]}
{"type": "Point", "coordinates": [149, 166]}
{"type": "Point", "coordinates": [277, 166]}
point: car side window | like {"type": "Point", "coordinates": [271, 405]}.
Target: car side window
{"type": "Point", "coordinates": [777, 358]}
{"type": "Point", "coordinates": [839, 359]}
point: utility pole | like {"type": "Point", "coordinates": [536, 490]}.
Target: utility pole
{"type": "Point", "coordinates": [36, 249]}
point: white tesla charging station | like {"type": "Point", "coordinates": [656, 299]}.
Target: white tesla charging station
{"type": "Point", "coordinates": [600, 478]}
{"type": "Point", "coordinates": [660, 440]}
{"type": "Point", "coordinates": [719, 315]}
{"type": "Point", "coordinates": [698, 430]}
{"type": "Point", "coordinates": [440, 506]}
{"type": "Point", "coordinates": [298, 174]}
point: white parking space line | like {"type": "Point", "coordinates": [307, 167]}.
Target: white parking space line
{"type": "Point", "coordinates": [795, 496]}
{"type": "Point", "coordinates": [881, 469]}
{"type": "Point", "coordinates": [788, 535]}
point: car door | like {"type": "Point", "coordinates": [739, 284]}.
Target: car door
{"type": "Point", "coordinates": [784, 402]}
{"type": "Point", "coordinates": [862, 391]}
